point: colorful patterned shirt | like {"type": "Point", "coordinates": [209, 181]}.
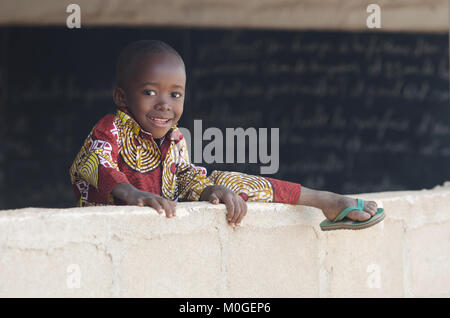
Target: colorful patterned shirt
{"type": "Point", "coordinates": [117, 150]}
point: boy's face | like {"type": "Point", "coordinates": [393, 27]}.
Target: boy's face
{"type": "Point", "coordinates": [154, 92]}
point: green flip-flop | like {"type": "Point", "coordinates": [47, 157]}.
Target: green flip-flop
{"type": "Point", "coordinates": [340, 224]}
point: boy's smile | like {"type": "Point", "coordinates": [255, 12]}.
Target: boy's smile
{"type": "Point", "coordinates": [154, 92]}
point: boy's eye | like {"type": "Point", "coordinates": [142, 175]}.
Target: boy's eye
{"type": "Point", "coordinates": [176, 95]}
{"type": "Point", "coordinates": [149, 92]}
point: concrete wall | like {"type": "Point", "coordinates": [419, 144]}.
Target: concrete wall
{"type": "Point", "coordinates": [279, 251]}
{"type": "Point", "coordinates": [396, 15]}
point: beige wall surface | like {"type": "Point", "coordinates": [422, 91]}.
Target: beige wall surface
{"type": "Point", "coordinates": [279, 251]}
{"type": "Point", "coordinates": [396, 15]}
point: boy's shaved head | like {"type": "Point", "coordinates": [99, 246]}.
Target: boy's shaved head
{"type": "Point", "coordinates": [150, 85]}
{"type": "Point", "coordinates": [135, 51]}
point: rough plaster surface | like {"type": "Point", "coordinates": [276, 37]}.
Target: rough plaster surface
{"type": "Point", "coordinates": [279, 251]}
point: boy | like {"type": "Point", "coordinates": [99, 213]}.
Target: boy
{"type": "Point", "coordinates": [139, 157]}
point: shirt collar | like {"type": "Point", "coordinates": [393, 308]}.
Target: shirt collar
{"type": "Point", "coordinates": [126, 118]}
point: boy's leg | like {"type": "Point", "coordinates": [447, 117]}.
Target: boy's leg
{"type": "Point", "coordinates": [332, 204]}
{"type": "Point", "coordinates": [263, 189]}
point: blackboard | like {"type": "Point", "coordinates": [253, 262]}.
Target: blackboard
{"type": "Point", "coordinates": [356, 111]}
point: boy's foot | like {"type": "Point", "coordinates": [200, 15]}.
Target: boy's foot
{"type": "Point", "coordinates": [335, 203]}
{"type": "Point", "coordinates": [332, 204]}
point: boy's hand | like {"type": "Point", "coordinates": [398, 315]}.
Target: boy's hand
{"type": "Point", "coordinates": [132, 196]}
{"type": "Point", "coordinates": [236, 206]}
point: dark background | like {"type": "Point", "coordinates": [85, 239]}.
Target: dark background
{"type": "Point", "coordinates": [357, 111]}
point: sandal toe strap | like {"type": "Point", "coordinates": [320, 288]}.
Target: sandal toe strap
{"type": "Point", "coordinates": [346, 211]}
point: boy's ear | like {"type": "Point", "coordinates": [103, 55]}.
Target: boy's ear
{"type": "Point", "coordinates": [119, 96]}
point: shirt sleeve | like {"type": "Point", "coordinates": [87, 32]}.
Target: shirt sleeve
{"type": "Point", "coordinates": [191, 178]}
{"type": "Point", "coordinates": [94, 173]}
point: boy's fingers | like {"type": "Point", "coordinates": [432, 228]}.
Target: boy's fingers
{"type": "Point", "coordinates": [169, 208]}
{"type": "Point", "coordinates": [238, 210]}
{"type": "Point", "coordinates": [153, 203]}
{"type": "Point", "coordinates": [213, 199]}
{"type": "Point", "coordinates": [228, 200]}
{"type": "Point", "coordinates": [243, 213]}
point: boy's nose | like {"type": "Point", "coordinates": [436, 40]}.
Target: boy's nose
{"type": "Point", "coordinates": [162, 106]}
